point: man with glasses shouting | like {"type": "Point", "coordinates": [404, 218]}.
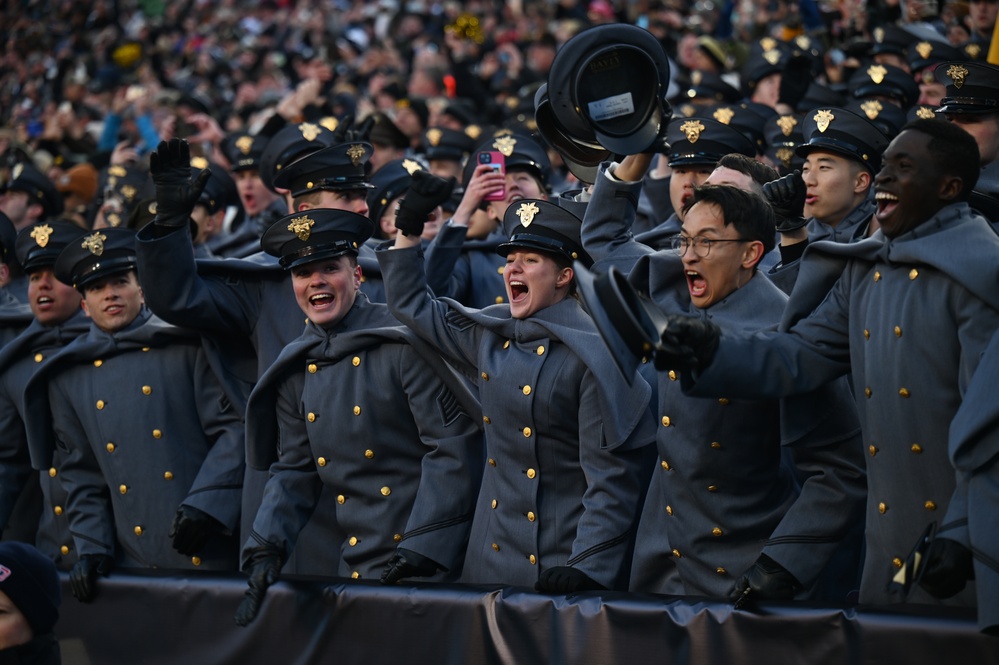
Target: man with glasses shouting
{"type": "Point", "coordinates": [727, 514]}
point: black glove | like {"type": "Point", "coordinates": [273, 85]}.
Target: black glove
{"type": "Point", "coordinates": [767, 579]}
{"type": "Point", "coordinates": [660, 146]}
{"type": "Point", "coordinates": [425, 193]}
{"type": "Point", "coordinates": [947, 568]}
{"type": "Point", "coordinates": [176, 191]}
{"type": "Point", "coordinates": [794, 81]}
{"type": "Point", "coordinates": [192, 528]}
{"type": "Point", "coordinates": [407, 563]}
{"type": "Point", "coordinates": [687, 343]}
{"type": "Point", "coordinates": [345, 131]}
{"type": "Point", "coordinates": [83, 576]}
{"type": "Point", "coordinates": [787, 198]}
{"type": "Point", "coordinates": [263, 567]}
{"type": "Point", "coordinates": [566, 579]}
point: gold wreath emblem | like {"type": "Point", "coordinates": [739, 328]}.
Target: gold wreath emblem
{"type": "Point", "coordinates": [925, 113]}
{"type": "Point", "coordinates": [787, 123]}
{"type": "Point", "coordinates": [958, 73]}
{"type": "Point", "coordinates": [434, 136]}
{"type": "Point", "coordinates": [924, 49]}
{"type": "Point", "coordinates": [41, 234]}
{"type": "Point", "coordinates": [245, 144]}
{"type": "Point", "coordinates": [877, 73]}
{"type": "Point", "coordinates": [872, 108]}
{"type": "Point", "coordinates": [355, 152]}
{"type": "Point", "coordinates": [302, 227]}
{"type": "Point", "coordinates": [411, 166]}
{"type": "Point", "coordinates": [723, 115]}
{"type": "Point", "coordinates": [309, 131]}
{"type": "Point", "coordinates": [822, 119]}
{"type": "Point", "coordinates": [526, 212]}
{"type": "Point", "coordinates": [505, 144]}
{"type": "Point", "coordinates": [692, 130]}
{"type": "Point", "coordinates": [768, 43]}
{"type": "Point", "coordinates": [773, 56]}
{"type": "Point", "coordinates": [94, 243]}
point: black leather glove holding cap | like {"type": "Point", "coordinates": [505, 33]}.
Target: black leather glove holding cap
{"type": "Point", "coordinates": [407, 563]}
{"type": "Point", "coordinates": [263, 567]}
{"type": "Point", "coordinates": [787, 198]}
{"type": "Point", "coordinates": [660, 146]}
{"type": "Point", "coordinates": [192, 528]}
{"type": "Point", "coordinates": [766, 580]}
{"type": "Point", "coordinates": [794, 81]}
{"type": "Point", "coordinates": [176, 191]}
{"type": "Point", "coordinates": [425, 193]}
{"type": "Point", "coordinates": [566, 579]}
{"type": "Point", "coordinates": [948, 567]}
{"type": "Point", "coordinates": [83, 575]}
{"type": "Point", "coordinates": [688, 343]}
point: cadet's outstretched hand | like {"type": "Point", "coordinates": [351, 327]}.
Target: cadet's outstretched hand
{"type": "Point", "coordinates": [425, 193]}
{"type": "Point", "coordinates": [176, 190]}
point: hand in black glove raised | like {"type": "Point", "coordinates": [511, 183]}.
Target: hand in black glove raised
{"type": "Point", "coordinates": [566, 579]}
{"type": "Point", "coordinates": [407, 563]}
{"type": "Point", "coordinates": [83, 576]}
{"type": "Point", "coordinates": [787, 197]}
{"type": "Point", "coordinates": [263, 567]}
{"type": "Point", "coordinates": [947, 568]}
{"type": "Point", "coordinates": [345, 131]}
{"type": "Point", "coordinates": [176, 191]}
{"type": "Point", "coordinates": [766, 580]}
{"type": "Point", "coordinates": [660, 146]}
{"type": "Point", "coordinates": [425, 193]}
{"type": "Point", "coordinates": [794, 81]}
{"type": "Point", "coordinates": [192, 528]}
{"type": "Point", "coordinates": [688, 343]}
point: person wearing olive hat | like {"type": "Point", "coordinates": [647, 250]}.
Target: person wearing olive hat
{"type": "Point", "coordinates": [154, 452]}
{"type": "Point", "coordinates": [29, 605]}
{"type": "Point", "coordinates": [405, 463]}
{"type": "Point", "coordinates": [537, 360]}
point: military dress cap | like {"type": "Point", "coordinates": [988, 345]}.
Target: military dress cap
{"type": "Point", "coordinates": [921, 112]}
{"type": "Point", "coordinates": [546, 227]}
{"type": "Point", "coordinates": [842, 132]}
{"type": "Point", "coordinates": [339, 167]}
{"type": "Point", "coordinates": [289, 144]}
{"type": "Point", "coordinates": [390, 181]}
{"type": "Point", "coordinates": [972, 87]}
{"type": "Point", "coordinates": [384, 132]}
{"type": "Point", "coordinates": [891, 39]}
{"type": "Point", "coordinates": [766, 56]}
{"type": "Point", "coordinates": [749, 118]}
{"type": "Point", "coordinates": [96, 255]}
{"type": "Point", "coordinates": [582, 158]}
{"type": "Point", "coordinates": [39, 245]}
{"type": "Point", "coordinates": [128, 184]}
{"type": "Point", "coordinates": [884, 81]}
{"type": "Point", "coordinates": [711, 87]}
{"type": "Point", "coordinates": [519, 151]}
{"type": "Point", "coordinates": [704, 141]}
{"type": "Point", "coordinates": [974, 51]}
{"type": "Point", "coordinates": [315, 235]}
{"type": "Point", "coordinates": [819, 95]}
{"type": "Point", "coordinates": [607, 86]}
{"type": "Point", "coordinates": [886, 116]}
{"type": "Point", "coordinates": [926, 53]}
{"type": "Point", "coordinates": [26, 178]}
{"type": "Point", "coordinates": [446, 144]}
{"type": "Point", "coordinates": [783, 134]}
{"type": "Point", "coordinates": [244, 151]}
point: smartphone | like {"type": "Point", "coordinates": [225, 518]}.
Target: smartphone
{"type": "Point", "coordinates": [497, 162]}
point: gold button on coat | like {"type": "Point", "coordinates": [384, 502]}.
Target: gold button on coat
{"type": "Point", "coordinates": [867, 392]}
{"type": "Point", "coordinates": [501, 269]}
{"type": "Point", "coordinates": [64, 549]}
{"type": "Point", "coordinates": [312, 368]}
{"type": "Point", "coordinates": [168, 476]}
{"type": "Point", "coordinates": [98, 363]}
{"type": "Point", "coordinates": [720, 571]}
{"type": "Point", "coordinates": [311, 417]}
{"type": "Point", "coordinates": [355, 361]}
{"type": "Point", "coordinates": [340, 499]}
{"type": "Point", "coordinates": [352, 541]}
{"type": "Point", "coordinates": [486, 420]}
{"type": "Point", "coordinates": [357, 410]}
{"type": "Point", "coordinates": [495, 547]}
{"type": "Point", "coordinates": [386, 491]}
{"type": "Point", "coordinates": [877, 276]}
{"type": "Point", "coordinates": [196, 560]}
{"type": "Point", "coordinates": [541, 350]}
{"type": "Point", "coordinates": [370, 454]}
{"type": "Point", "coordinates": [676, 553]}
{"type": "Point", "coordinates": [57, 510]}
{"type": "Point", "coordinates": [898, 331]}
{"type": "Point", "coordinates": [665, 465]}
{"type": "Point", "coordinates": [533, 559]}
{"type": "Point", "coordinates": [52, 472]}
{"type": "Point", "coordinates": [672, 375]}
{"type": "Point", "coordinates": [715, 445]}
{"type": "Point", "coordinates": [530, 516]}
{"type": "Point", "coordinates": [321, 461]}
{"type": "Point", "coordinates": [882, 507]}
{"type": "Point", "coordinates": [531, 473]}
{"type": "Point", "coordinates": [138, 530]}
{"type": "Point", "coordinates": [527, 390]}
{"type": "Point", "coordinates": [527, 431]}
{"type": "Point", "coordinates": [712, 488]}
{"type": "Point", "coordinates": [506, 344]}
{"type": "Point", "coordinates": [494, 504]}
{"type": "Point", "coordinates": [723, 400]}
{"type": "Point", "coordinates": [666, 421]}
{"type": "Point", "coordinates": [492, 462]}
{"type": "Point", "coordinates": [110, 447]}
{"type": "Point", "coordinates": [499, 300]}
{"type": "Point", "coordinates": [157, 434]}
{"type": "Point", "coordinates": [355, 575]}
{"type": "Point", "coordinates": [716, 531]}
{"type": "Point", "coordinates": [873, 450]}
{"type": "Point", "coordinates": [147, 390]}
{"type": "Point", "coordinates": [913, 274]}
{"type": "Point", "coordinates": [916, 448]}
{"type": "Point", "coordinates": [867, 334]}
{"type": "Point", "coordinates": [669, 510]}
{"type": "Point", "coordinates": [485, 377]}
{"type": "Point", "coordinates": [397, 537]}
{"type": "Point", "coordinates": [39, 357]}
{"type": "Point", "coordinates": [100, 404]}
{"type": "Point", "coordinates": [930, 505]}
{"type": "Point", "coordinates": [903, 392]}
{"type": "Point", "coordinates": [123, 489]}
{"type": "Point", "coordinates": [896, 562]}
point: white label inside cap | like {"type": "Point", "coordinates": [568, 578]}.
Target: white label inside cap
{"type": "Point", "coordinates": [611, 107]}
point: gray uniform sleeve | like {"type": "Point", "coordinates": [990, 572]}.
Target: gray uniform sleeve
{"type": "Point", "coordinates": [606, 230]}
{"type": "Point", "coordinates": [448, 272]}
{"type": "Point", "coordinates": [15, 464]}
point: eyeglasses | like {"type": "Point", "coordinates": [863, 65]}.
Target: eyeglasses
{"type": "Point", "coordinates": [702, 245]}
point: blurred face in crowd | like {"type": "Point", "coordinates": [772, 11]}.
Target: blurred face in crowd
{"type": "Point", "coordinates": [253, 193]}
{"type": "Point", "coordinates": [51, 301]}
{"type": "Point", "coordinates": [931, 91]}
{"type": "Point", "coordinates": [534, 281]}
{"type": "Point", "coordinates": [985, 128]}
{"type": "Point", "coordinates": [352, 200]}
{"type": "Point", "coordinates": [208, 224]}
{"type": "Point", "coordinates": [14, 627]}
{"type": "Point", "coordinates": [727, 266]}
{"type": "Point", "coordinates": [114, 301]}
{"type": "Point", "coordinates": [910, 188]}
{"type": "Point", "coordinates": [681, 184]}
{"type": "Point", "coordinates": [834, 186]}
{"type": "Point", "coordinates": [982, 14]}
{"type": "Point", "coordinates": [15, 204]}
{"type": "Point", "coordinates": [767, 90]}
{"type": "Point", "coordinates": [326, 290]}
{"type": "Point", "coordinates": [520, 184]}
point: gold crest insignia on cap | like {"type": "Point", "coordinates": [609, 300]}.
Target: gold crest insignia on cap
{"type": "Point", "coordinates": [473, 132]}
{"type": "Point", "coordinates": [772, 56]}
{"type": "Point", "coordinates": [928, 76]}
{"type": "Point", "coordinates": [434, 136]}
{"type": "Point", "coordinates": [687, 110]}
{"type": "Point", "coordinates": [329, 122]}
{"type": "Point", "coordinates": [877, 73]}
{"type": "Point", "coordinates": [925, 113]}
{"type": "Point", "coordinates": [973, 50]}
{"type": "Point", "coordinates": [823, 118]}
{"type": "Point", "coordinates": [723, 115]}
{"type": "Point", "coordinates": [94, 243]}
{"type": "Point", "coordinates": [924, 49]}
{"type": "Point", "coordinates": [768, 43]}
{"type": "Point", "coordinates": [16, 171]}
{"type": "Point", "coordinates": [692, 130]}
{"type": "Point", "coordinates": [41, 234]}
{"type": "Point", "coordinates": [152, 208]}
{"type": "Point", "coordinates": [244, 144]}
{"type": "Point", "coordinates": [302, 227]}
{"type": "Point", "coordinates": [117, 171]}
{"type": "Point", "coordinates": [113, 220]}
{"type": "Point", "coordinates": [355, 152]}
{"type": "Point", "coordinates": [199, 162]}
{"type": "Point", "coordinates": [128, 191]}
{"type": "Point", "coordinates": [696, 77]}
{"type": "Point", "coordinates": [411, 166]}
{"type": "Point", "coordinates": [526, 212]}
{"type": "Point", "coordinates": [787, 123]}
{"type": "Point", "coordinates": [309, 131]}
{"type": "Point", "coordinates": [785, 155]}
{"type": "Point", "coordinates": [958, 73]}
{"type": "Point", "coordinates": [505, 144]}
{"type": "Point", "coordinates": [879, 35]}
{"type": "Point", "coordinates": [803, 42]}
{"type": "Point", "coordinates": [872, 108]}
